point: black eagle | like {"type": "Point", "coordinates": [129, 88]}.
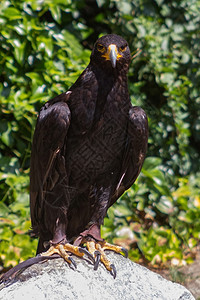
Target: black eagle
{"type": "Point", "coordinates": [88, 149]}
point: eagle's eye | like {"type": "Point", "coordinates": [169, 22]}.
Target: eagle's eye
{"type": "Point", "coordinates": [122, 48]}
{"type": "Point", "coordinates": [100, 48]}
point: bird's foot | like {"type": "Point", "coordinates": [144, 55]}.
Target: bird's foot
{"type": "Point", "coordinates": [65, 251]}
{"type": "Point", "coordinates": [97, 249]}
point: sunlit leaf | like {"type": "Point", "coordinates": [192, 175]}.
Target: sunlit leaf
{"type": "Point", "coordinates": [12, 13]}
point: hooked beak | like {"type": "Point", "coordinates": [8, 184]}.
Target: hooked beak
{"type": "Point", "coordinates": [112, 54]}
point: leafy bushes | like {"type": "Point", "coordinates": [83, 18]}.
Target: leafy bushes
{"type": "Point", "coordinates": [44, 46]}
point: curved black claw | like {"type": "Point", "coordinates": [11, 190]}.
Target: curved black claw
{"type": "Point", "coordinates": [125, 251]}
{"type": "Point", "coordinates": [85, 251]}
{"type": "Point", "coordinates": [73, 264]}
{"type": "Point", "coordinates": [113, 272]}
{"type": "Point", "coordinates": [98, 257]}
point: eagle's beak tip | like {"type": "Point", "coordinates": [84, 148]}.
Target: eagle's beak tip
{"type": "Point", "coordinates": [113, 55]}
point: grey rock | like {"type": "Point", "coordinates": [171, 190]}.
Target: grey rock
{"type": "Point", "coordinates": [54, 279]}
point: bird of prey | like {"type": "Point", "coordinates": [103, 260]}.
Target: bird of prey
{"type": "Point", "coordinates": [88, 149]}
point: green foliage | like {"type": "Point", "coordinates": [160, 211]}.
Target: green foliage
{"type": "Point", "coordinates": [44, 46]}
{"type": "Point", "coordinates": [162, 219]}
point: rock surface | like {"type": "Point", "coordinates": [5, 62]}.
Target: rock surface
{"type": "Point", "coordinates": [55, 280]}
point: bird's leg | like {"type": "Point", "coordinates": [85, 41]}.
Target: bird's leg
{"type": "Point", "coordinates": [92, 236]}
{"type": "Point", "coordinates": [97, 247]}
{"type": "Point", "coordinates": [60, 246]}
{"type": "Point", "coordinates": [98, 250]}
{"type": "Point", "coordinates": [65, 250]}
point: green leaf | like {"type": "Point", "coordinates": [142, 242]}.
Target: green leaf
{"type": "Point", "coordinates": [4, 210]}
{"type": "Point", "coordinates": [19, 53]}
{"type": "Point", "coordinates": [165, 205]}
{"type": "Point", "coordinates": [12, 13]}
{"type": "Point", "coordinates": [56, 13]}
{"type": "Point", "coordinates": [151, 163]}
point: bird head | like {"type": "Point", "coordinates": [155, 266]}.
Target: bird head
{"type": "Point", "coordinates": [111, 51]}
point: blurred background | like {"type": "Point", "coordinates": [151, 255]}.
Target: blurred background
{"type": "Point", "coordinates": [44, 47]}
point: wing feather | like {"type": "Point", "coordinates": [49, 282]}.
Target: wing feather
{"type": "Point", "coordinates": [48, 143]}
{"type": "Point", "coordinates": [135, 150]}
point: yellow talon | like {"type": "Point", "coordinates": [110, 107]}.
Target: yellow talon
{"type": "Point", "coordinates": [64, 251]}
{"type": "Point", "coordinates": [91, 247]}
{"type": "Point", "coordinates": [115, 248]}
{"type": "Point", "coordinates": [97, 249]}
{"type": "Point", "coordinates": [96, 252]}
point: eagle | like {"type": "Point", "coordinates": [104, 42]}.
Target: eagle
{"type": "Point", "coordinates": [88, 148]}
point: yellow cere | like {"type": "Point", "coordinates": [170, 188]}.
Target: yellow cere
{"type": "Point", "coordinates": [111, 48]}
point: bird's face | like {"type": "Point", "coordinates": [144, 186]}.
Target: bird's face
{"type": "Point", "coordinates": [111, 51]}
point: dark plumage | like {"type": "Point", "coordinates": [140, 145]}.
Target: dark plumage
{"type": "Point", "coordinates": [88, 148]}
